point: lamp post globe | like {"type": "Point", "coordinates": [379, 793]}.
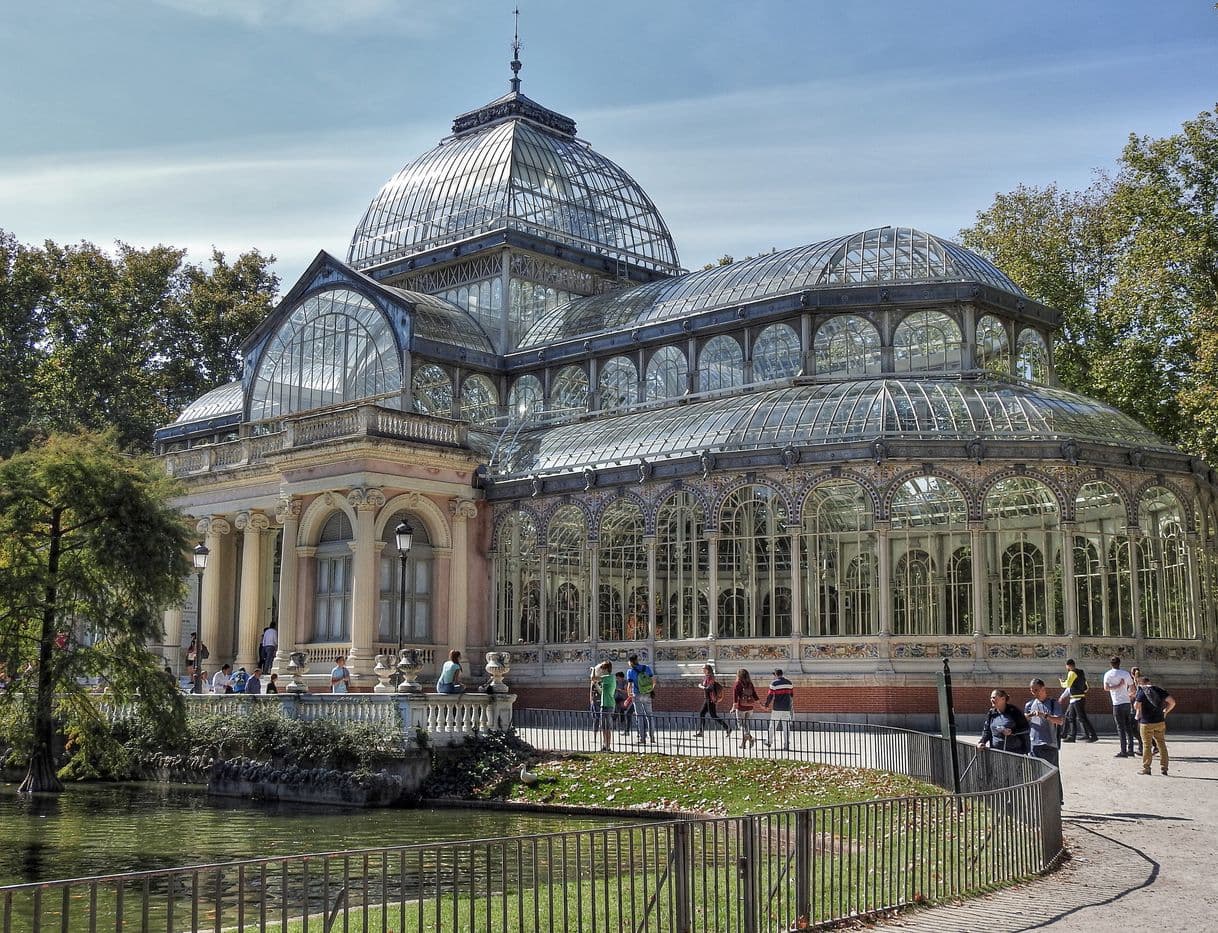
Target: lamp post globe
{"type": "Point", "coordinates": [200, 561]}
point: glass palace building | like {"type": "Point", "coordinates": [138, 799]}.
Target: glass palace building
{"type": "Point", "coordinates": [850, 459]}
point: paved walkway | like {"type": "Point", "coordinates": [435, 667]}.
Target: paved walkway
{"type": "Point", "coordinates": [1142, 851]}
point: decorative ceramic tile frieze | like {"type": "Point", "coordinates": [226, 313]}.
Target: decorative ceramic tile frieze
{"type": "Point", "coordinates": [907, 650]}
{"type": "Point", "coordinates": [851, 651]}
{"type": "Point", "coordinates": [683, 653]}
{"type": "Point", "coordinates": [754, 652]}
{"type": "Point", "coordinates": [568, 655]}
{"type": "Point", "coordinates": [1038, 651]}
{"type": "Point", "coordinates": [1172, 653]}
{"type": "Point", "coordinates": [1105, 650]}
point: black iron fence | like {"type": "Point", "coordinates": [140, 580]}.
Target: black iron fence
{"type": "Point", "coordinates": [762, 872]}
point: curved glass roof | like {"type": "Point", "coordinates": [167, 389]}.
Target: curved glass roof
{"type": "Point", "coordinates": [514, 174]}
{"type": "Point", "coordinates": [224, 400]}
{"type": "Point", "coordinates": [435, 319]}
{"type": "Point", "coordinates": [884, 254]}
{"type": "Point", "coordinates": [827, 413]}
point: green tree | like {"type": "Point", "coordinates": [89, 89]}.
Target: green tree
{"type": "Point", "coordinates": [23, 287]}
{"type": "Point", "coordinates": [90, 554]}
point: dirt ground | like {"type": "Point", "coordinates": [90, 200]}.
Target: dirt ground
{"type": "Point", "coordinates": [1142, 851]}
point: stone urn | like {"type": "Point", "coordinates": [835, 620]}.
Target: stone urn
{"type": "Point", "coordinates": [498, 664]}
{"type": "Point", "coordinates": [384, 670]}
{"type": "Point", "coordinates": [298, 666]}
{"type": "Point", "coordinates": [409, 664]}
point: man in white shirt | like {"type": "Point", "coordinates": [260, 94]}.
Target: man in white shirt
{"type": "Point", "coordinates": [221, 679]}
{"type": "Point", "coordinates": [1117, 682]}
{"type": "Point", "coordinates": [270, 644]}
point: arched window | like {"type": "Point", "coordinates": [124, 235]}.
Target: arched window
{"type": "Point", "coordinates": [412, 626]}
{"type": "Point", "coordinates": [926, 341]}
{"type": "Point", "coordinates": [1022, 535]}
{"type": "Point", "coordinates": [569, 391]}
{"type": "Point", "coordinates": [720, 364]}
{"type": "Point", "coordinates": [621, 565]}
{"type": "Point", "coordinates": [755, 554]}
{"type": "Point", "coordinates": [858, 616]}
{"type": "Point", "coordinates": [525, 400]}
{"type": "Point", "coordinates": [993, 346]}
{"type": "Point", "coordinates": [618, 383]}
{"type": "Point", "coordinates": [682, 566]}
{"type": "Point", "coordinates": [1163, 575]}
{"type": "Point", "coordinates": [518, 563]}
{"type": "Point", "coordinates": [667, 374]}
{"type": "Point", "coordinates": [960, 592]}
{"type": "Point", "coordinates": [929, 524]}
{"type": "Point", "coordinates": [335, 347]}
{"type": "Point", "coordinates": [847, 346]}
{"type": "Point", "coordinates": [567, 576]}
{"type": "Point", "coordinates": [837, 530]}
{"type": "Point", "coordinates": [776, 354]}
{"type": "Point", "coordinates": [332, 594]}
{"type": "Point", "coordinates": [1031, 357]}
{"type": "Point", "coordinates": [479, 399]}
{"type": "Point", "coordinates": [735, 620]}
{"type": "Point", "coordinates": [1102, 587]}
{"type": "Point", "coordinates": [432, 390]}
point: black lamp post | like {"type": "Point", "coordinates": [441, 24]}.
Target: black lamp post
{"type": "Point", "coordinates": [404, 535]}
{"type": "Point", "coordinates": [200, 559]}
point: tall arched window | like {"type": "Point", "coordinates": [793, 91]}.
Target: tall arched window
{"type": "Point", "coordinates": [993, 346]}
{"type": "Point", "coordinates": [682, 567]}
{"type": "Point", "coordinates": [479, 399]}
{"type": "Point", "coordinates": [926, 341]}
{"type": "Point", "coordinates": [526, 399]}
{"type": "Point", "coordinates": [1167, 602]}
{"type": "Point", "coordinates": [518, 572]}
{"type": "Point", "coordinates": [667, 374]}
{"type": "Point", "coordinates": [618, 383]}
{"type": "Point", "coordinates": [1102, 587]}
{"type": "Point", "coordinates": [720, 364]}
{"type": "Point", "coordinates": [858, 604]}
{"type": "Point", "coordinates": [1032, 357]}
{"type": "Point", "coordinates": [755, 555]}
{"type": "Point", "coordinates": [335, 347]}
{"type": "Point", "coordinates": [621, 566]}
{"type": "Point", "coordinates": [776, 354]}
{"type": "Point", "coordinates": [413, 626]}
{"type": "Point", "coordinates": [929, 524]}
{"type": "Point", "coordinates": [1023, 538]}
{"type": "Point", "coordinates": [837, 531]}
{"type": "Point", "coordinates": [847, 346]}
{"type": "Point", "coordinates": [332, 594]}
{"type": "Point", "coordinates": [432, 390]}
{"type": "Point", "coordinates": [735, 619]}
{"type": "Point", "coordinates": [567, 576]}
{"type": "Point", "coordinates": [569, 392]}
{"type": "Point", "coordinates": [960, 592]}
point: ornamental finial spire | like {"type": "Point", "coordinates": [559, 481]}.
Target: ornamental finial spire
{"type": "Point", "coordinates": [516, 53]}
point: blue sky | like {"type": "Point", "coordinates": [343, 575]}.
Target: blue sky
{"type": "Point", "coordinates": [273, 123]}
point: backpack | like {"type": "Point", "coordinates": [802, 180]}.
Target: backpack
{"type": "Point", "coordinates": [646, 682]}
{"type": "Point", "coordinates": [238, 681]}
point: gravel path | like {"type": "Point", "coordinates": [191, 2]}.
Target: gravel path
{"type": "Point", "coordinates": [1142, 851]}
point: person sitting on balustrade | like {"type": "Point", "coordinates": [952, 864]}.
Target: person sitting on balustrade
{"type": "Point", "coordinates": [450, 675]}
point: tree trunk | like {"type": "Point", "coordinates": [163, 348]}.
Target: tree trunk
{"type": "Point", "coordinates": [41, 777]}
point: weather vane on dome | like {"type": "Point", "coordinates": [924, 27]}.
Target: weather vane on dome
{"type": "Point", "coordinates": [516, 53]}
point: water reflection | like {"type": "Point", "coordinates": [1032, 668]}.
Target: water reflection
{"type": "Point", "coordinates": [104, 828]}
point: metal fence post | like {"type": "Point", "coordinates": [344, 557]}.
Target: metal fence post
{"type": "Point", "coordinates": [681, 865]}
{"type": "Point", "coordinates": [803, 864]}
{"type": "Point", "coordinates": [746, 868]}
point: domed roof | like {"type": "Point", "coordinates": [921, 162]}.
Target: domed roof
{"type": "Point", "coordinates": [514, 165]}
{"type": "Point", "coordinates": [882, 254]}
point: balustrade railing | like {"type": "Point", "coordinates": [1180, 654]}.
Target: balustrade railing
{"type": "Point", "coordinates": [785, 870]}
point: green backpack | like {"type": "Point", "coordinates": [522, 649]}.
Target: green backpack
{"type": "Point", "coordinates": [646, 682]}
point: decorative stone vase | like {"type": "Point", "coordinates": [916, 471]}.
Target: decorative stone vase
{"type": "Point", "coordinates": [298, 666]}
{"type": "Point", "coordinates": [498, 665]}
{"type": "Point", "coordinates": [384, 671]}
{"type": "Point", "coordinates": [409, 664]}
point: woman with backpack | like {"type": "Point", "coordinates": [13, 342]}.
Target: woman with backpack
{"type": "Point", "coordinates": [712, 692]}
{"type": "Point", "coordinates": [744, 698]}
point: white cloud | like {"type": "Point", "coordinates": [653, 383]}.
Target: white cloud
{"type": "Point", "coordinates": [417, 17]}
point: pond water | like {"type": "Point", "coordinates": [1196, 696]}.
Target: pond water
{"type": "Point", "coordinates": [93, 829]}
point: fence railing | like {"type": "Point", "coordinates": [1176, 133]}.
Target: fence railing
{"type": "Point", "coordinates": [769, 871]}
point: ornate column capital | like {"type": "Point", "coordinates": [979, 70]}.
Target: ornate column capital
{"type": "Point", "coordinates": [254, 522]}
{"type": "Point", "coordinates": [287, 509]}
{"type": "Point", "coordinates": [463, 509]}
{"type": "Point", "coordinates": [213, 525]}
{"type": "Point", "coordinates": [366, 498]}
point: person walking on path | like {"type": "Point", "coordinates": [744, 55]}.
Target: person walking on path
{"type": "Point", "coordinates": [1075, 681]}
{"type": "Point", "coordinates": [1117, 682]}
{"type": "Point", "coordinates": [268, 647]}
{"type": "Point", "coordinates": [1044, 714]}
{"type": "Point", "coordinates": [1152, 704]}
{"type": "Point", "coordinates": [780, 701]}
{"type": "Point", "coordinates": [712, 693]}
{"type": "Point", "coordinates": [1006, 727]}
{"type": "Point", "coordinates": [744, 699]}
{"type": "Point", "coordinates": [641, 680]}
{"type": "Point", "coordinates": [600, 697]}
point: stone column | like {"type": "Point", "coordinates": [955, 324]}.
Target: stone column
{"type": "Point", "coordinates": [215, 531]}
{"type": "Point", "coordinates": [306, 594]}
{"type": "Point", "coordinates": [287, 513]}
{"type": "Point", "coordinates": [1135, 586]}
{"type": "Point", "coordinates": [1193, 544]}
{"type": "Point", "coordinates": [1069, 590]}
{"type": "Point", "coordinates": [594, 595]}
{"type": "Point", "coordinates": [712, 603]}
{"type": "Point", "coordinates": [649, 542]}
{"type": "Point", "coordinates": [883, 547]}
{"type": "Point", "coordinates": [463, 512]}
{"type": "Point", "coordinates": [797, 593]}
{"type": "Point", "coordinates": [171, 641]}
{"type": "Point", "coordinates": [249, 608]}
{"type": "Point", "coordinates": [981, 582]}
{"type": "Point", "coordinates": [365, 588]}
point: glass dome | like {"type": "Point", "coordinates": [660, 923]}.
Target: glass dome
{"type": "Point", "coordinates": [223, 400]}
{"type": "Point", "coordinates": [513, 165]}
{"type": "Point", "coordinates": [829, 413]}
{"type": "Point", "coordinates": [883, 254]}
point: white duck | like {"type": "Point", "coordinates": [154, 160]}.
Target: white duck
{"type": "Point", "coordinates": [527, 776]}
